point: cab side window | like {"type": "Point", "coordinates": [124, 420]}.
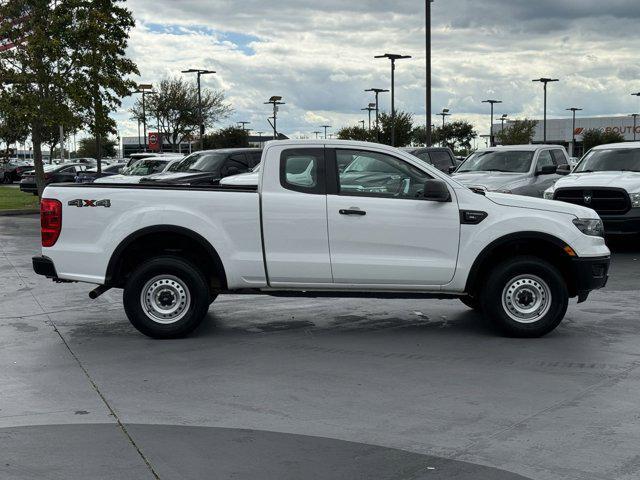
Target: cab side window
{"type": "Point", "coordinates": [545, 159]}
{"type": "Point", "coordinates": [442, 161]}
{"type": "Point", "coordinates": [375, 174]}
{"type": "Point", "coordinates": [235, 164]}
{"type": "Point", "coordinates": [303, 170]}
{"type": "Point", "coordinates": [559, 157]}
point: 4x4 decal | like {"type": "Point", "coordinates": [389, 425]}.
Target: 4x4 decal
{"type": "Point", "coordinates": [90, 203]}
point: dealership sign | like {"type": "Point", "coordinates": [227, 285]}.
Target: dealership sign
{"type": "Point", "coordinates": [154, 141]}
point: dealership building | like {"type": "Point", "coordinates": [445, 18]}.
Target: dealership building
{"type": "Point", "coordinates": [560, 130]}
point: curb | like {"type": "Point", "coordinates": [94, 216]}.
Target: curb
{"type": "Point", "coordinates": [15, 213]}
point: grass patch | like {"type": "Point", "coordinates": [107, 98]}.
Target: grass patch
{"type": "Point", "coordinates": [12, 198]}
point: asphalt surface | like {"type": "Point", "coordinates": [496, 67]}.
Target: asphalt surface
{"type": "Point", "coordinates": [274, 388]}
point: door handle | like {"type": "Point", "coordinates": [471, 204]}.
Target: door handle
{"type": "Point", "coordinates": [352, 211]}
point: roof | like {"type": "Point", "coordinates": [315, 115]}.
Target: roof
{"type": "Point", "coordinates": [611, 146]}
{"type": "Point", "coordinates": [526, 148]}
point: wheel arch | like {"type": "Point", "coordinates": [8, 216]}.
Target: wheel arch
{"type": "Point", "coordinates": [165, 239]}
{"type": "Point", "coordinates": [539, 244]}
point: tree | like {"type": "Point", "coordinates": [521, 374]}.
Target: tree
{"type": "Point", "coordinates": [594, 137]}
{"type": "Point", "coordinates": [357, 133]}
{"type": "Point", "coordinates": [404, 128]}
{"type": "Point", "coordinates": [456, 135]}
{"type": "Point", "coordinates": [103, 34]}
{"type": "Point", "coordinates": [175, 109]}
{"type": "Point", "coordinates": [13, 129]}
{"type": "Point", "coordinates": [87, 147]}
{"type": "Point", "coordinates": [230, 137]}
{"type": "Point", "coordinates": [519, 132]}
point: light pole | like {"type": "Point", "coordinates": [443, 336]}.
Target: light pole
{"type": "Point", "coordinates": [492, 103]}
{"type": "Point", "coordinates": [573, 110]}
{"type": "Point", "coordinates": [545, 81]}
{"type": "Point", "coordinates": [325, 130]}
{"type": "Point", "coordinates": [142, 89]}
{"type": "Point", "coordinates": [445, 113]}
{"type": "Point", "coordinates": [275, 101]}
{"type": "Point", "coordinates": [260, 138]}
{"type": "Point", "coordinates": [503, 119]}
{"type": "Point", "coordinates": [635, 124]}
{"type": "Point", "coordinates": [393, 57]}
{"type": "Point", "coordinates": [243, 125]}
{"type": "Point", "coordinates": [370, 108]}
{"type": "Point", "coordinates": [317, 133]}
{"type": "Point", "coordinates": [199, 73]}
{"type": "Point", "coordinates": [377, 91]}
{"type": "Point", "coordinates": [362, 122]}
{"type": "Point", "coordinates": [427, 18]}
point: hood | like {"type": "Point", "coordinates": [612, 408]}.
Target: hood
{"type": "Point", "coordinates": [119, 179]}
{"type": "Point", "coordinates": [630, 181]}
{"type": "Point", "coordinates": [489, 180]}
{"type": "Point", "coordinates": [250, 179]}
{"type": "Point", "coordinates": [520, 201]}
{"type": "Point", "coordinates": [182, 177]}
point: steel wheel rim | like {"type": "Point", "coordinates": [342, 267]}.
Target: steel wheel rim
{"type": "Point", "coordinates": [526, 298]}
{"type": "Point", "coordinates": [165, 299]}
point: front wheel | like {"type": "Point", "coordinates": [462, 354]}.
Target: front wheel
{"type": "Point", "coordinates": [166, 297]}
{"type": "Point", "coordinates": [525, 297]}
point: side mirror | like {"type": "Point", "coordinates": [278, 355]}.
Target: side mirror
{"type": "Point", "coordinates": [452, 169]}
{"type": "Point", "coordinates": [563, 169]}
{"type": "Point", "coordinates": [547, 170]}
{"type": "Point", "coordinates": [436, 191]}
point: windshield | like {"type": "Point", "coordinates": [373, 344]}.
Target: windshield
{"type": "Point", "coordinates": [201, 162]}
{"type": "Point", "coordinates": [512, 161]}
{"type": "Point", "coordinates": [145, 167]}
{"type": "Point", "coordinates": [614, 159]}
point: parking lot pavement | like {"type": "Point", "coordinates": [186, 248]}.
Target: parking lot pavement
{"type": "Point", "coordinates": [312, 388]}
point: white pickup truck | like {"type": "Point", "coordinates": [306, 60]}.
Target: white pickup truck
{"type": "Point", "coordinates": [387, 226]}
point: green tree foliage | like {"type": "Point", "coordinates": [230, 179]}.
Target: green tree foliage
{"type": "Point", "coordinates": [102, 38]}
{"type": "Point", "coordinates": [87, 147]}
{"type": "Point", "coordinates": [175, 109]}
{"type": "Point", "coordinates": [519, 132]}
{"type": "Point", "coordinates": [13, 128]}
{"type": "Point", "coordinates": [456, 135]}
{"type": "Point", "coordinates": [230, 137]}
{"type": "Point", "coordinates": [65, 67]}
{"type": "Point", "coordinates": [357, 133]}
{"type": "Point", "coordinates": [594, 137]}
{"type": "Point", "coordinates": [404, 128]}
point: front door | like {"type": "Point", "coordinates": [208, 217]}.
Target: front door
{"type": "Point", "coordinates": [382, 230]}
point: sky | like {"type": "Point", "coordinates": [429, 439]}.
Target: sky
{"type": "Point", "coordinates": [319, 56]}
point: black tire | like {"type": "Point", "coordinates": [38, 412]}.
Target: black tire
{"type": "Point", "coordinates": [472, 302]}
{"type": "Point", "coordinates": [171, 282]}
{"type": "Point", "coordinates": [531, 280]}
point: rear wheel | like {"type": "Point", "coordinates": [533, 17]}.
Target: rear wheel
{"type": "Point", "coordinates": [166, 297]}
{"type": "Point", "coordinates": [525, 297]}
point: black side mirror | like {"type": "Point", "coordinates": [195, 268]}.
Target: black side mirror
{"type": "Point", "coordinates": [436, 191]}
{"type": "Point", "coordinates": [547, 170]}
{"type": "Point", "coordinates": [452, 169]}
{"type": "Point", "coordinates": [564, 169]}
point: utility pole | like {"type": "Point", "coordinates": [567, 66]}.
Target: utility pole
{"type": "Point", "coordinates": [492, 103]}
{"type": "Point", "coordinates": [377, 91]}
{"type": "Point", "coordinates": [325, 130]}
{"type": "Point", "coordinates": [199, 73]}
{"type": "Point", "coordinates": [393, 57]}
{"type": "Point", "coordinates": [573, 129]}
{"type": "Point", "coordinates": [370, 108]}
{"type": "Point", "coordinates": [428, 69]}
{"type": "Point", "coordinates": [275, 101]}
{"type": "Point", "coordinates": [545, 81]}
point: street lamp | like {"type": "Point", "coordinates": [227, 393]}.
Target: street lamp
{"type": "Point", "coordinates": [370, 108]}
{"type": "Point", "coordinates": [427, 18]}
{"type": "Point", "coordinates": [573, 129]}
{"type": "Point", "coordinates": [492, 103]}
{"type": "Point", "coordinates": [393, 57]}
{"type": "Point", "coordinates": [275, 101]}
{"type": "Point", "coordinates": [325, 130]}
{"type": "Point", "coordinates": [377, 91]}
{"type": "Point", "coordinates": [243, 124]}
{"type": "Point", "coordinates": [445, 113]}
{"type": "Point", "coordinates": [545, 81]}
{"type": "Point", "coordinates": [142, 89]}
{"type": "Point", "coordinates": [317, 133]}
{"type": "Point", "coordinates": [635, 124]}
{"type": "Point", "coordinates": [200, 72]}
{"type": "Point", "coordinates": [503, 119]}
{"type": "Point", "coordinates": [362, 122]}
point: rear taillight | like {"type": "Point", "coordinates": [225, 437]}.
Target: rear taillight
{"type": "Point", "coordinates": [50, 221]}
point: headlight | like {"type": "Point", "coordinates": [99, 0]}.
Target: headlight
{"type": "Point", "coordinates": [590, 226]}
{"type": "Point", "coordinates": [635, 200]}
{"type": "Point", "coordinates": [548, 193]}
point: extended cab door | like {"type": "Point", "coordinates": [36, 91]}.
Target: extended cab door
{"type": "Point", "coordinates": [381, 229]}
{"type": "Point", "coordinates": [294, 217]}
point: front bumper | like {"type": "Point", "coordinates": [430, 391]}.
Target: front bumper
{"type": "Point", "coordinates": [627, 224]}
{"type": "Point", "coordinates": [590, 274]}
{"type": "Point", "coordinates": [44, 266]}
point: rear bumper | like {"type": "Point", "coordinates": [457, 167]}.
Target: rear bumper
{"type": "Point", "coordinates": [627, 224]}
{"type": "Point", "coordinates": [590, 274]}
{"type": "Point", "coordinates": [44, 266]}
{"type": "Point", "coordinates": [28, 187]}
